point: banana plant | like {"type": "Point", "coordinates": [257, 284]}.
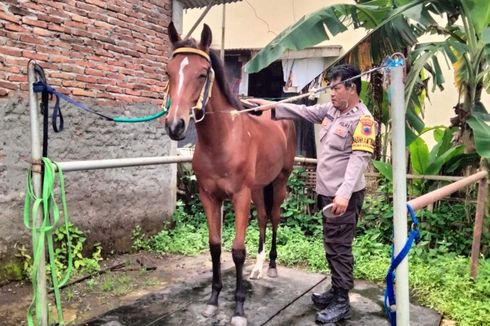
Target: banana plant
{"type": "Point", "coordinates": [394, 26]}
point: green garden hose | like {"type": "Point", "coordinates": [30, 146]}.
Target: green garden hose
{"type": "Point", "coordinates": [44, 234]}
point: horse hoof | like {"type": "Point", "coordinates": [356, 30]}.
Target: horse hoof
{"type": "Point", "coordinates": [255, 274]}
{"type": "Point", "coordinates": [272, 272]}
{"type": "Point", "coordinates": [238, 321]}
{"type": "Point", "coordinates": [210, 310]}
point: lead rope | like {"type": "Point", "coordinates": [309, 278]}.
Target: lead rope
{"type": "Point", "coordinates": [44, 234]}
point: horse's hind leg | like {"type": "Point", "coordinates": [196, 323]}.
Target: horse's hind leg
{"type": "Point", "coordinates": [279, 193]}
{"type": "Point", "coordinates": [212, 208]}
{"type": "Point", "coordinates": [258, 199]}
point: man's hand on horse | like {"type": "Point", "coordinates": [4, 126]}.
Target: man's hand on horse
{"type": "Point", "coordinates": [339, 205]}
{"type": "Point", "coordinates": [266, 104]}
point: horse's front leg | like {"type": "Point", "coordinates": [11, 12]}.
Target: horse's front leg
{"type": "Point", "coordinates": [212, 208]}
{"type": "Point", "coordinates": [241, 205]}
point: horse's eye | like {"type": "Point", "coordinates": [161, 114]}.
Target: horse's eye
{"type": "Point", "coordinates": [202, 76]}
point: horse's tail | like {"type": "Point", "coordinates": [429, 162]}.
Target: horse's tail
{"type": "Point", "coordinates": [268, 199]}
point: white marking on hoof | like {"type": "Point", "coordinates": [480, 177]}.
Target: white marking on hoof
{"type": "Point", "coordinates": [238, 321]}
{"type": "Point", "coordinates": [210, 310]}
{"type": "Point", "coordinates": [257, 271]}
{"type": "Point", "coordinates": [272, 272]}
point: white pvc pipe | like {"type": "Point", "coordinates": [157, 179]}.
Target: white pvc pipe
{"type": "Point", "coordinates": [36, 183]}
{"type": "Point", "coordinates": [137, 161]}
{"type": "Point", "coordinates": [397, 113]}
{"type": "Point", "coordinates": [120, 163]}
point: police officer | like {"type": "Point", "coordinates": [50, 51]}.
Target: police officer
{"type": "Point", "coordinates": [346, 143]}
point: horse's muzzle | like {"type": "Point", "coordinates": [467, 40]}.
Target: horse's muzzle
{"type": "Point", "coordinates": [175, 129]}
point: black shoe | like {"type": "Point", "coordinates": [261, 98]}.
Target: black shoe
{"type": "Point", "coordinates": [322, 300]}
{"type": "Point", "coordinates": [338, 310]}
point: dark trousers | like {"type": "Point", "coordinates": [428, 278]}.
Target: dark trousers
{"type": "Point", "coordinates": [338, 234]}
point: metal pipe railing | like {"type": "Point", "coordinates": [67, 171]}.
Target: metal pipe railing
{"type": "Point", "coordinates": [438, 194]}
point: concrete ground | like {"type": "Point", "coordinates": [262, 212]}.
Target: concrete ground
{"type": "Point", "coordinates": [281, 301]}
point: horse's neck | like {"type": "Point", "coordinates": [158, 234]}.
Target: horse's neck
{"type": "Point", "coordinates": [219, 124]}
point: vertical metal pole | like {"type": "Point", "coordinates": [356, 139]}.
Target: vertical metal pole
{"type": "Point", "coordinates": [198, 21]}
{"type": "Point", "coordinates": [36, 181]}
{"type": "Point", "coordinates": [222, 53]}
{"type": "Point", "coordinates": [477, 231]}
{"type": "Point", "coordinates": [399, 193]}
{"type": "Point", "coordinates": [178, 15]}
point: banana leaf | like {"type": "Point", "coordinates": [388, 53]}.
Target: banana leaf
{"type": "Point", "coordinates": [481, 133]}
{"type": "Point", "coordinates": [384, 168]}
{"type": "Point", "coordinates": [312, 29]}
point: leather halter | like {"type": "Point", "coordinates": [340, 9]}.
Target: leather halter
{"type": "Point", "coordinates": [206, 89]}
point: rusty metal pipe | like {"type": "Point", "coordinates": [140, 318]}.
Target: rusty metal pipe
{"type": "Point", "coordinates": [433, 196]}
{"type": "Point", "coordinates": [478, 227]}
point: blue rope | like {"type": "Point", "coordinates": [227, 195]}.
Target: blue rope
{"type": "Point", "coordinates": [42, 87]}
{"type": "Point", "coordinates": [389, 297]}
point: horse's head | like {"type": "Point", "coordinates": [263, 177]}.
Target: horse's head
{"type": "Point", "coordinates": [189, 80]}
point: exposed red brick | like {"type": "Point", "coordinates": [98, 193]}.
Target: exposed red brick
{"type": "Point", "coordinates": [42, 31]}
{"type": "Point", "coordinates": [94, 72]}
{"type": "Point", "coordinates": [112, 89]}
{"type": "Point", "coordinates": [16, 61]}
{"type": "Point", "coordinates": [8, 17]}
{"type": "Point", "coordinates": [62, 75]}
{"type": "Point", "coordinates": [107, 81]}
{"type": "Point", "coordinates": [80, 19]}
{"type": "Point", "coordinates": [35, 55]}
{"type": "Point", "coordinates": [98, 3]}
{"type": "Point", "coordinates": [18, 78]}
{"type": "Point", "coordinates": [113, 50]}
{"type": "Point", "coordinates": [56, 28]}
{"type": "Point", "coordinates": [13, 69]}
{"type": "Point", "coordinates": [3, 92]}
{"type": "Point", "coordinates": [50, 19]}
{"type": "Point", "coordinates": [31, 39]}
{"type": "Point", "coordinates": [34, 22]}
{"type": "Point", "coordinates": [82, 92]}
{"type": "Point", "coordinates": [48, 49]}
{"type": "Point", "coordinates": [87, 79]}
{"type": "Point", "coordinates": [15, 28]}
{"type": "Point", "coordinates": [72, 68]}
{"type": "Point", "coordinates": [10, 51]}
{"type": "Point", "coordinates": [8, 85]}
{"type": "Point", "coordinates": [103, 25]}
{"type": "Point", "coordinates": [132, 92]}
{"type": "Point", "coordinates": [73, 83]}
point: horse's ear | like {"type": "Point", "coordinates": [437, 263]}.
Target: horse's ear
{"type": "Point", "coordinates": [206, 38]}
{"type": "Point", "coordinates": [173, 34]}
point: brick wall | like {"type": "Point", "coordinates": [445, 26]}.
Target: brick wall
{"type": "Point", "coordinates": [106, 50]}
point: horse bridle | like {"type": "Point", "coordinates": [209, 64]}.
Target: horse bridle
{"type": "Point", "coordinates": [205, 91]}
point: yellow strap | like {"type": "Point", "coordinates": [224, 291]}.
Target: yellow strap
{"type": "Point", "coordinates": [192, 50]}
{"type": "Point", "coordinates": [199, 104]}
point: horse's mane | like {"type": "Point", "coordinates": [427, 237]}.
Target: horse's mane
{"type": "Point", "coordinates": [219, 71]}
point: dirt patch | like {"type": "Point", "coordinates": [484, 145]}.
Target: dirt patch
{"type": "Point", "coordinates": [138, 275]}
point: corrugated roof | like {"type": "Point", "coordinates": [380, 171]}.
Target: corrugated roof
{"type": "Point", "coordinates": [189, 4]}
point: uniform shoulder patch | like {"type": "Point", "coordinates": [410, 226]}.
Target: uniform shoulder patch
{"type": "Point", "coordinates": [364, 134]}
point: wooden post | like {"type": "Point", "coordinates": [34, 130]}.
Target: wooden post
{"type": "Point", "coordinates": [477, 230]}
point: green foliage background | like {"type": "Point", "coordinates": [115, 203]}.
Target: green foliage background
{"type": "Point", "coordinates": [439, 265]}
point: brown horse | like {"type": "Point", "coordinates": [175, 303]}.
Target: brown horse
{"type": "Point", "coordinates": [240, 157]}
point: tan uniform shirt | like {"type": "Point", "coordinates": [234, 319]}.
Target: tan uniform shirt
{"type": "Point", "coordinates": [340, 169]}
